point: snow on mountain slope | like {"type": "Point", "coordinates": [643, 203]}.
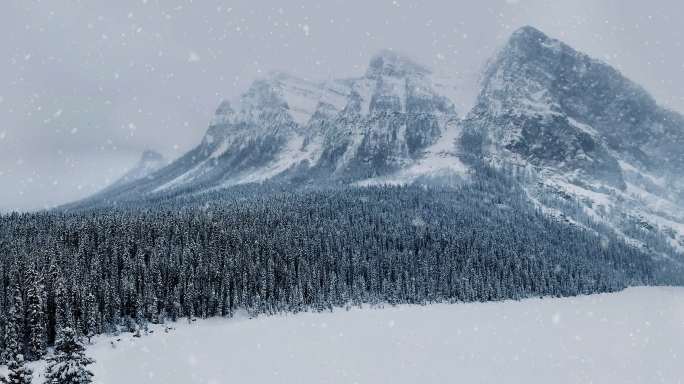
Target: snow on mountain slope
{"type": "Point", "coordinates": [345, 130]}
{"type": "Point", "coordinates": [634, 336]}
{"type": "Point", "coordinates": [150, 162]}
{"type": "Point", "coordinates": [395, 112]}
{"type": "Point", "coordinates": [587, 132]}
{"type": "Point", "coordinates": [439, 162]}
{"type": "Point", "coordinates": [296, 152]}
{"type": "Point", "coordinates": [258, 135]}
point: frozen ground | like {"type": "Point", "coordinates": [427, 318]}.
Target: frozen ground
{"type": "Point", "coordinates": [635, 336]}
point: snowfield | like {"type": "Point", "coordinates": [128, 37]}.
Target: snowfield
{"type": "Point", "coordinates": [634, 336]}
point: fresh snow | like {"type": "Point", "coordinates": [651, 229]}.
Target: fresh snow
{"type": "Point", "coordinates": [440, 159]}
{"type": "Point", "coordinates": [364, 88]}
{"type": "Point", "coordinates": [183, 178]}
{"type": "Point", "coordinates": [629, 168]}
{"type": "Point", "coordinates": [652, 201]}
{"type": "Point", "coordinates": [541, 105]}
{"type": "Point", "coordinates": [293, 154]}
{"type": "Point", "coordinates": [656, 210]}
{"type": "Point", "coordinates": [303, 97]}
{"type": "Point", "coordinates": [584, 127]}
{"type": "Point", "coordinates": [634, 336]}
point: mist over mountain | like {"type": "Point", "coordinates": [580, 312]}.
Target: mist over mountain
{"type": "Point", "coordinates": [150, 162]}
{"type": "Point", "coordinates": [574, 126]}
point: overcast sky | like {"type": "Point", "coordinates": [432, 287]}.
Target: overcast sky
{"type": "Point", "coordinates": [86, 86]}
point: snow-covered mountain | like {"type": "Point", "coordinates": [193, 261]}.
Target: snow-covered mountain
{"type": "Point", "coordinates": [574, 126]}
{"type": "Point", "coordinates": [392, 116]}
{"type": "Point", "coordinates": [150, 161]}
{"type": "Point", "coordinates": [389, 121]}
{"type": "Point", "coordinates": [546, 104]}
{"type": "Point", "coordinates": [585, 130]}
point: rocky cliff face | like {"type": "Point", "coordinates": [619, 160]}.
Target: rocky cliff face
{"type": "Point", "coordinates": [289, 129]}
{"type": "Point", "coordinates": [585, 129]}
{"type": "Point", "coordinates": [391, 116]}
{"type": "Point", "coordinates": [546, 104]}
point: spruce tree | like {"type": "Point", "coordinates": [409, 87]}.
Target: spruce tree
{"type": "Point", "coordinates": [63, 315]}
{"type": "Point", "coordinates": [90, 317]}
{"type": "Point", "coordinates": [69, 364]}
{"type": "Point", "coordinates": [3, 331]}
{"type": "Point", "coordinates": [35, 317]}
{"type": "Point", "coordinates": [19, 373]}
{"type": "Point", "coordinates": [13, 337]}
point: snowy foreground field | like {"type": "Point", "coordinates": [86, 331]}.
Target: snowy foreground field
{"type": "Point", "coordinates": [635, 336]}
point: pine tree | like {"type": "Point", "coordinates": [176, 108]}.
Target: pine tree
{"type": "Point", "coordinates": [109, 271]}
{"type": "Point", "coordinates": [19, 373]}
{"type": "Point", "coordinates": [13, 337]}
{"type": "Point", "coordinates": [3, 331]}
{"type": "Point", "coordinates": [35, 318]}
{"type": "Point", "coordinates": [69, 364]}
{"type": "Point", "coordinates": [63, 315]}
{"type": "Point", "coordinates": [90, 317]}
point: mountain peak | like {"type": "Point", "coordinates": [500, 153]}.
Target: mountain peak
{"type": "Point", "coordinates": [224, 108]}
{"type": "Point", "coordinates": [390, 63]}
{"type": "Point", "coordinates": [528, 33]}
{"type": "Point", "coordinates": [281, 76]}
{"type": "Point", "coordinates": [149, 155]}
{"type": "Point", "coordinates": [150, 162]}
{"type": "Point", "coordinates": [531, 41]}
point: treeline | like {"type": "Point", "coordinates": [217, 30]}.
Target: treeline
{"type": "Point", "coordinates": [118, 269]}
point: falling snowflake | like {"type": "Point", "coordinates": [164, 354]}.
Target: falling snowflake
{"type": "Point", "coordinates": [193, 57]}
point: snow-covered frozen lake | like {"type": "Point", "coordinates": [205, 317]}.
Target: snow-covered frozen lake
{"type": "Point", "coordinates": [635, 336]}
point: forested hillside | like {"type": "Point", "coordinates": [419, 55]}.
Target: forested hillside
{"type": "Point", "coordinates": [117, 269]}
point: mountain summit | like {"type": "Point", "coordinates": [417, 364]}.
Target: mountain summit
{"type": "Point", "coordinates": [150, 161]}
{"type": "Point", "coordinates": [557, 107]}
{"type": "Point", "coordinates": [390, 63]}
{"type": "Point", "coordinates": [288, 129]}
{"type": "Point", "coordinates": [546, 104]}
{"type": "Point", "coordinates": [587, 131]}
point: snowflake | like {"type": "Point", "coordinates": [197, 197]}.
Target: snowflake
{"type": "Point", "coordinates": [193, 57]}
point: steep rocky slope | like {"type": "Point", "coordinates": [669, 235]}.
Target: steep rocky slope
{"type": "Point", "coordinates": [341, 131]}
{"type": "Point", "coordinates": [583, 130]}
